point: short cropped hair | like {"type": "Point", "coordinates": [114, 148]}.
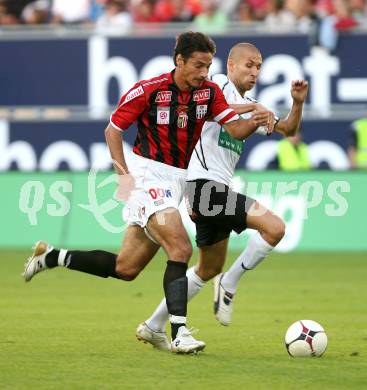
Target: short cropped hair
{"type": "Point", "coordinates": [189, 42]}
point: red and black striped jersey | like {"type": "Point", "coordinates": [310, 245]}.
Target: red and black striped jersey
{"type": "Point", "coordinates": [169, 120]}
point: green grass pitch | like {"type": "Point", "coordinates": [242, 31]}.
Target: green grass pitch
{"type": "Point", "coordinates": [67, 330]}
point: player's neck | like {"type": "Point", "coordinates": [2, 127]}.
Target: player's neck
{"type": "Point", "coordinates": [240, 90]}
{"type": "Point", "coordinates": [180, 82]}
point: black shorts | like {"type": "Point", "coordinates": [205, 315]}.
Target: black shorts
{"type": "Point", "coordinates": [216, 210]}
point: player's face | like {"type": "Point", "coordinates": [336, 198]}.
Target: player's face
{"type": "Point", "coordinates": [245, 70]}
{"type": "Point", "coordinates": [195, 69]}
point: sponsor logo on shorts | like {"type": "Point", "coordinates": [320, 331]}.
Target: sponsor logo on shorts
{"type": "Point", "coordinates": [163, 97]}
{"type": "Point", "coordinates": [163, 115]}
{"type": "Point", "coordinates": [158, 202]}
{"type": "Point", "coordinates": [201, 111]}
{"type": "Point", "coordinates": [160, 193]}
{"type": "Point", "coordinates": [202, 94]}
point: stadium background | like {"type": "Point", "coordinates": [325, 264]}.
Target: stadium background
{"type": "Point", "coordinates": [67, 330]}
{"type": "Point", "coordinates": [57, 94]}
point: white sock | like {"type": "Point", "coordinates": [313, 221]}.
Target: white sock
{"type": "Point", "coordinates": [256, 251]}
{"type": "Point", "coordinates": [62, 260]}
{"type": "Point", "coordinates": [157, 322]}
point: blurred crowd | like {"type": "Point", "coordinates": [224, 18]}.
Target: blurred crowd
{"type": "Point", "coordinates": [206, 15]}
{"type": "Point", "coordinates": [326, 18]}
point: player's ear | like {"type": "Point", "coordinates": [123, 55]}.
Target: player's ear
{"type": "Point", "coordinates": [179, 60]}
{"type": "Point", "coordinates": [230, 64]}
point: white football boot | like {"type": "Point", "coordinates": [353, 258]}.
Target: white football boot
{"type": "Point", "coordinates": [159, 340]}
{"type": "Point", "coordinates": [36, 263]}
{"type": "Point", "coordinates": [185, 343]}
{"type": "Point", "coordinates": [223, 302]}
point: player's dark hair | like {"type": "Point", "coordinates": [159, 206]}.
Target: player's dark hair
{"type": "Point", "coordinates": [189, 42]}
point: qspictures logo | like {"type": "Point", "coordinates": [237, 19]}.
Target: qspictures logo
{"type": "Point", "coordinates": [103, 196]}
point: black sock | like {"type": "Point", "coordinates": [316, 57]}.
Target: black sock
{"type": "Point", "coordinates": [175, 289]}
{"type": "Point", "coordinates": [52, 258]}
{"type": "Point", "coordinates": [99, 263]}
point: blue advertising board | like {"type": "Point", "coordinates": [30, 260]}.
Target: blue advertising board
{"type": "Point", "coordinates": [94, 72]}
{"type": "Point", "coordinates": [77, 145]}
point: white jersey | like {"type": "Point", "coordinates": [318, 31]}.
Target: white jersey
{"type": "Point", "coordinates": [216, 153]}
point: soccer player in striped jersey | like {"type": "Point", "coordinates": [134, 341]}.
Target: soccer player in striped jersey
{"type": "Point", "coordinates": [210, 172]}
{"type": "Point", "coordinates": [170, 111]}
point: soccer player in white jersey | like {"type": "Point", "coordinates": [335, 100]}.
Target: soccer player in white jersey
{"type": "Point", "coordinates": [210, 171]}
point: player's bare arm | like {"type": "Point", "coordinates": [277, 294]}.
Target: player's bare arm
{"type": "Point", "coordinates": [125, 180]}
{"type": "Point", "coordinates": [291, 124]}
{"type": "Point", "coordinates": [243, 128]}
{"type": "Point", "coordinates": [250, 107]}
{"type": "Point", "coordinates": [243, 108]}
{"type": "Point", "coordinates": [114, 142]}
{"type": "Point", "coordinates": [271, 118]}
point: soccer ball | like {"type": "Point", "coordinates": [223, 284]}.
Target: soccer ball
{"type": "Point", "coordinates": [305, 338]}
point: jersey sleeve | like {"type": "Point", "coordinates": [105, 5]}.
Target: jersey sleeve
{"type": "Point", "coordinates": [221, 111]}
{"type": "Point", "coordinates": [131, 105]}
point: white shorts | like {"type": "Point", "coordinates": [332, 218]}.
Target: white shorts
{"type": "Point", "coordinates": [158, 186]}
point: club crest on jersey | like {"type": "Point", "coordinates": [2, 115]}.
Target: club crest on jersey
{"type": "Point", "coordinates": [182, 120]}
{"type": "Point", "coordinates": [133, 94]}
{"type": "Point", "coordinates": [201, 111]}
{"type": "Point", "coordinates": [163, 97]}
{"type": "Point", "coordinates": [202, 94]}
{"type": "Point", "coordinates": [162, 115]}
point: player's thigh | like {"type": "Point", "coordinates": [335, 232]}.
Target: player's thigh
{"type": "Point", "coordinates": [167, 229]}
{"type": "Point", "coordinates": [136, 252]}
{"type": "Point", "coordinates": [211, 259]}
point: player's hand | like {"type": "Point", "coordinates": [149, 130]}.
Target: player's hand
{"type": "Point", "coordinates": [271, 122]}
{"type": "Point", "coordinates": [259, 118]}
{"type": "Point", "coordinates": [299, 90]}
{"type": "Point", "coordinates": [126, 184]}
{"type": "Point", "coordinates": [271, 117]}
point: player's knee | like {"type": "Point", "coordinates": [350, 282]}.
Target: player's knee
{"type": "Point", "coordinates": [185, 251]}
{"type": "Point", "coordinates": [180, 250]}
{"type": "Point", "coordinates": [276, 230]}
